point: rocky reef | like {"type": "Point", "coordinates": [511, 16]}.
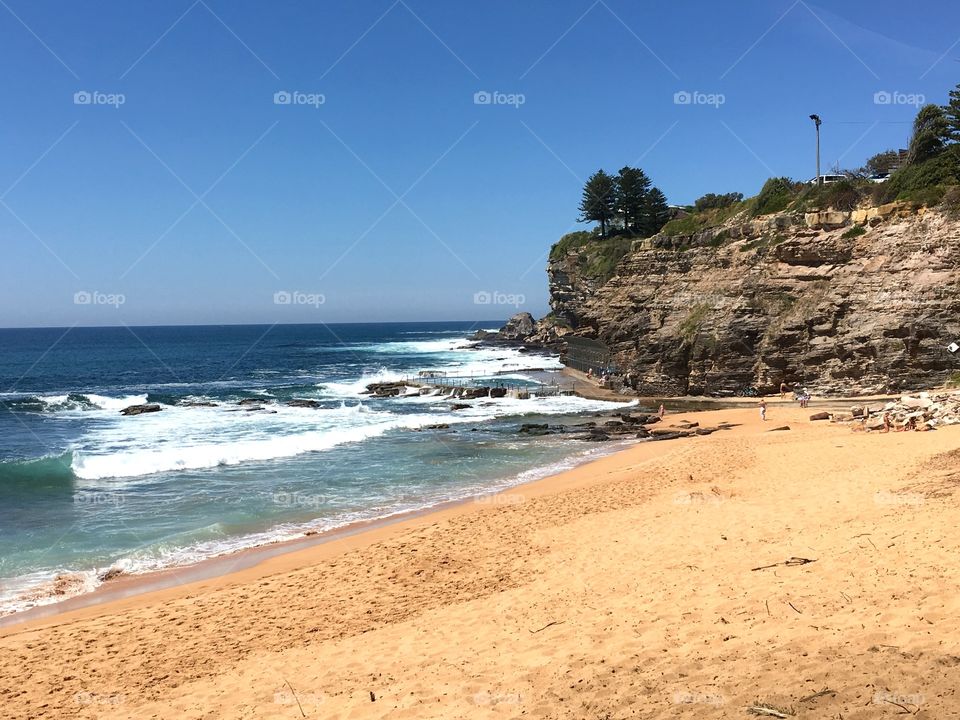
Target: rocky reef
{"type": "Point", "coordinates": [840, 302]}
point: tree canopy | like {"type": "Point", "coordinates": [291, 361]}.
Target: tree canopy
{"type": "Point", "coordinates": [599, 200]}
{"type": "Point", "coordinates": [951, 112]}
{"type": "Point", "coordinates": [711, 200]}
{"type": "Point", "coordinates": [931, 131]}
{"type": "Point", "coordinates": [633, 185]}
{"type": "Point", "coordinates": [627, 201]}
{"type": "Point", "coordinates": [882, 163]}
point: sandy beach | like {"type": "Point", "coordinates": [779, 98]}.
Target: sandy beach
{"type": "Point", "coordinates": [810, 572]}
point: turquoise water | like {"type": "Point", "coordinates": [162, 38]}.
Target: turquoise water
{"type": "Point", "coordinates": [84, 489]}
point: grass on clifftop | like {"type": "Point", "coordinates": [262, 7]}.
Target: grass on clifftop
{"type": "Point", "coordinates": [697, 221]}
{"type": "Point", "coordinates": [597, 257]}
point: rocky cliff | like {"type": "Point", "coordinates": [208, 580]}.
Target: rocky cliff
{"type": "Point", "coordinates": [840, 302]}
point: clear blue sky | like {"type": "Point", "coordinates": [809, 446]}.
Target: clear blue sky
{"type": "Point", "coordinates": [399, 198]}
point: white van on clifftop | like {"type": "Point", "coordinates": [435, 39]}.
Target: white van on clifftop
{"type": "Point", "coordinates": [829, 179]}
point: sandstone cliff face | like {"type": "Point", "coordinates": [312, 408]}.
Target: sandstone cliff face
{"type": "Point", "coordinates": [800, 299]}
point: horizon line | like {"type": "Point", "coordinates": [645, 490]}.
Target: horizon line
{"type": "Point", "coordinates": [242, 324]}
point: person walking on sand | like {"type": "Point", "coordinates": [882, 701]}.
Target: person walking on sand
{"type": "Point", "coordinates": [763, 410]}
{"type": "Point", "coordinates": [661, 412]}
{"type": "Point", "coordinates": [783, 390]}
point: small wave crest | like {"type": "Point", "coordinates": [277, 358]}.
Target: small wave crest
{"type": "Point", "coordinates": [136, 462]}
{"type": "Point", "coordinates": [68, 402]}
{"type": "Point", "coordinates": [18, 476]}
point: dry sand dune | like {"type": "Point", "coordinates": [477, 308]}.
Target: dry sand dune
{"type": "Point", "coordinates": [624, 588]}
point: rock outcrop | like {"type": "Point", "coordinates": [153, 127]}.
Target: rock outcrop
{"type": "Point", "coordinates": [518, 328]}
{"type": "Point", "coordinates": [923, 411]}
{"type": "Point", "coordinates": [838, 302]}
{"type": "Point", "coordinates": [141, 409]}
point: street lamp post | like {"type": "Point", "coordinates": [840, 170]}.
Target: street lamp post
{"type": "Point", "coordinates": [817, 121]}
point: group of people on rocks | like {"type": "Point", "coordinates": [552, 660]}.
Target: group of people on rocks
{"type": "Point", "coordinates": [888, 424]}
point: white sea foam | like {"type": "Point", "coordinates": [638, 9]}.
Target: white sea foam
{"type": "Point", "coordinates": [200, 438]}
{"type": "Point", "coordinates": [483, 363]}
{"type": "Point", "coordinates": [41, 588]}
{"type": "Point", "coordinates": [110, 403]}
{"type": "Point", "coordinates": [356, 388]}
{"type": "Point", "coordinates": [179, 439]}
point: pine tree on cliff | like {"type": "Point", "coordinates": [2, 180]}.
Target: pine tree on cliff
{"type": "Point", "coordinates": [952, 111]}
{"type": "Point", "coordinates": [930, 133]}
{"type": "Point", "coordinates": [656, 212]}
{"type": "Point", "coordinates": [632, 188]}
{"type": "Point", "coordinates": [599, 200]}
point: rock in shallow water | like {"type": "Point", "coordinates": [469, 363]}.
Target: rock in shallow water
{"type": "Point", "coordinates": [141, 409]}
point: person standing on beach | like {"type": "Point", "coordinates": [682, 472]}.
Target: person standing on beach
{"type": "Point", "coordinates": [763, 410]}
{"type": "Point", "coordinates": [661, 412]}
{"type": "Point", "coordinates": [783, 390]}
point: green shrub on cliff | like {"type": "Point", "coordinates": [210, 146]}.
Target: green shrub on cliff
{"type": "Point", "coordinates": [596, 257]}
{"type": "Point", "coordinates": [951, 203]}
{"type": "Point", "coordinates": [854, 232]}
{"type": "Point", "coordinates": [775, 195]}
{"type": "Point", "coordinates": [697, 221]}
{"type": "Point", "coordinates": [571, 241]}
{"type": "Point", "coordinates": [844, 195]}
{"type": "Point", "coordinates": [712, 200]}
{"type": "Point", "coordinates": [693, 323]}
{"type": "Point", "coordinates": [602, 258]}
{"type": "Point", "coordinates": [924, 180]}
{"type": "Point", "coordinates": [933, 162]}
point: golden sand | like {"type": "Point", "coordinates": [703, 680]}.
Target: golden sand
{"type": "Point", "coordinates": [624, 588]}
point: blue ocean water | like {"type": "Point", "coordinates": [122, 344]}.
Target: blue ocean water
{"type": "Point", "coordinates": [84, 489]}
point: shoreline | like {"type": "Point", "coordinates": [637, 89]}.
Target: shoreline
{"type": "Point", "coordinates": [133, 585]}
{"type": "Point", "coordinates": [130, 586]}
